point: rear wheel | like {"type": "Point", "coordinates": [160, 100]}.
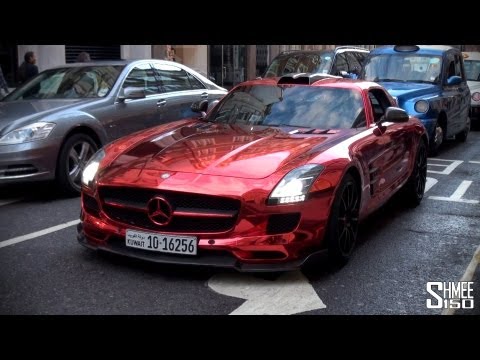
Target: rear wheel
{"type": "Point", "coordinates": [342, 226]}
{"type": "Point", "coordinates": [415, 186]}
{"type": "Point", "coordinates": [74, 155]}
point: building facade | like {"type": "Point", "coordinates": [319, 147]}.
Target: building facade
{"type": "Point", "coordinates": [227, 65]}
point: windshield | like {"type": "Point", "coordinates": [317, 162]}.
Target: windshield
{"type": "Point", "coordinates": [300, 63]}
{"type": "Point", "coordinates": [287, 105]}
{"type": "Point", "coordinates": [69, 83]}
{"type": "Point", "coordinates": [472, 70]}
{"type": "Point", "coordinates": [403, 67]}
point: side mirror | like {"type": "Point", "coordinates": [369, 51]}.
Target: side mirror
{"type": "Point", "coordinates": [131, 93]}
{"type": "Point", "coordinates": [199, 106]}
{"type": "Point", "coordinates": [454, 80]}
{"type": "Point", "coordinates": [395, 115]}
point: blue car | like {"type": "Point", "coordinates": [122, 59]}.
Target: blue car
{"type": "Point", "coordinates": [429, 83]}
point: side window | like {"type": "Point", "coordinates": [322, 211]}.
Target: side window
{"type": "Point", "coordinates": [172, 78]}
{"type": "Point", "coordinates": [194, 82]}
{"type": "Point", "coordinates": [340, 64]}
{"type": "Point", "coordinates": [142, 76]}
{"type": "Point", "coordinates": [379, 102]}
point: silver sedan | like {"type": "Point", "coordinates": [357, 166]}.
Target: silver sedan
{"type": "Point", "coordinates": [53, 124]}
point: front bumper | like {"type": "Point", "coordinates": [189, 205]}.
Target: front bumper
{"type": "Point", "coordinates": [246, 247]}
{"type": "Point", "coordinates": [29, 161]}
{"type": "Point", "coordinates": [207, 258]}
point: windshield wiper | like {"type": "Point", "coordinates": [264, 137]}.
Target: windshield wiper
{"type": "Point", "coordinates": [388, 80]}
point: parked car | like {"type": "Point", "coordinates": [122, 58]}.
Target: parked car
{"type": "Point", "coordinates": [429, 83]}
{"type": "Point", "coordinates": [53, 124]}
{"type": "Point", "coordinates": [279, 170]}
{"type": "Point", "coordinates": [343, 61]}
{"type": "Point", "coordinates": [472, 71]}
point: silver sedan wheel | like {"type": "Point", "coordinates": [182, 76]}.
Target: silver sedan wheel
{"type": "Point", "coordinates": [78, 157]}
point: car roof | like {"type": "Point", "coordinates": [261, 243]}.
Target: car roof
{"type": "Point", "coordinates": [115, 63]}
{"type": "Point", "coordinates": [323, 51]}
{"type": "Point", "coordinates": [422, 49]}
{"type": "Point", "coordinates": [327, 82]}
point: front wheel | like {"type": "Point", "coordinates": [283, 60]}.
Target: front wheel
{"type": "Point", "coordinates": [415, 186]}
{"type": "Point", "coordinates": [74, 155]}
{"type": "Point", "coordinates": [342, 226]}
{"type": "Point", "coordinates": [437, 140]}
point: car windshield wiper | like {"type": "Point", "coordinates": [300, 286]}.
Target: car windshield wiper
{"type": "Point", "coordinates": [390, 80]}
{"type": "Point", "coordinates": [420, 81]}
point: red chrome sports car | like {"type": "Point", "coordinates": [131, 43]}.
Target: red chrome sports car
{"type": "Point", "coordinates": [280, 169]}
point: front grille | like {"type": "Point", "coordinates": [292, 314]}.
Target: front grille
{"type": "Point", "coordinates": [18, 170]}
{"type": "Point", "coordinates": [282, 223]}
{"type": "Point", "coordinates": [129, 205]}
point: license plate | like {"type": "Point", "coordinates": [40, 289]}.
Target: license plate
{"type": "Point", "coordinates": [167, 243]}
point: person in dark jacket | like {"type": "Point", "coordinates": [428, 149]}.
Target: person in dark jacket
{"type": "Point", "coordinates": [28, 69]}
{"type": "Point", "coordinates": [83, 57]}
{"type": "Point", "coordinates": [3, 84]}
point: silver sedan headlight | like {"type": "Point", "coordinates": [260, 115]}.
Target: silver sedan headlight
{"type": "Point", "coordinates": [32, 132]}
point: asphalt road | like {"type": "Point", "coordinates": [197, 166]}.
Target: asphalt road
{"type": "Point", "coordinates": [399, 251]}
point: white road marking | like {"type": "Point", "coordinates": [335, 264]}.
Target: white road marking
{"type": "Point", "coordinates": [9, 201]}
{"type": "Point", "coordinates": [467, 276]}
{"type": "Point", "coordinates": [291, 293]}
{"type": "Point", "coordinates": [474, 162]}
{"type": "Point", "coordinates": [36, 234]}
{"type": "Point", "coordinates": [457, 195]}
{"type": "Point", "coordinates": [448, 168]}
{"type": "Point", "coordinates": [430, 183]}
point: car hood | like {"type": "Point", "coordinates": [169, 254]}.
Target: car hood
{"type": "Point", "coordinates": [218, 149]}
{"type": "Point", "coordinates": [404, 91]}
{"type": "Point", "coordinates": [24, 111]}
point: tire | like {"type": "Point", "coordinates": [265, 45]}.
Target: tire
{"type": "Point", "coordinates": [415, 186]}
{"type": "Point", "coordinates": [439, 135]}
{"type": "Point", "coordinates": [342, 228]}
{"type": "Point", "coordinates": [74, 155]}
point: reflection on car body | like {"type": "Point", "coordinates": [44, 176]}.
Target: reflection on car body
{"type": "Point", "coordinates": [276, 172]}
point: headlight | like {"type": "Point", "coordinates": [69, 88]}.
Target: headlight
{"type": "Point", "coordinates": [421, 106]}
{"type": "Point", "coordinates": [91, 169]}
{"type": "Point", "coordinates": [36, 131]}
{"type": "Point", "coordinates": [295, 185]}
{"type": "Point", "coordinates": [476, 96]}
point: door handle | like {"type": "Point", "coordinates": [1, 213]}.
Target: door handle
{"type": "Point", "coordinates": [204, 95]}
{"type": "Point", "coordinates": [162, 102]}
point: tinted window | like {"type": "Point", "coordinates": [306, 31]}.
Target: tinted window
{"type": "Point", "coordinates": [353, 63]}
{"type": "Point", "coordinates": [142, 76]}
{"type": "Point", "coordinates": [379, 102]}
{"type": "Point", "coordinates": [296, 106]}
{"type": "Point", "coordinates": [340, 64]}
{"type": "Point", "coordinates": [194, 82]}
{"type": "Point", "coordinates": [300, 62]}
{"type": "Point", "coordinates": [173, 78]}
{"type": "Point", "coordinates": [71, 82]}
